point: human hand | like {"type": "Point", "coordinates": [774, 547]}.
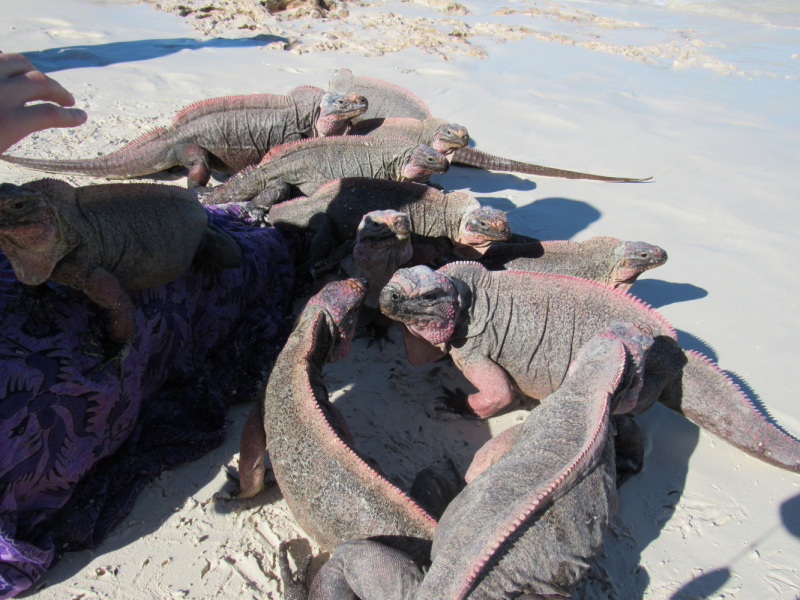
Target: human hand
{"type": "Point", "coordinates": [21, 83]}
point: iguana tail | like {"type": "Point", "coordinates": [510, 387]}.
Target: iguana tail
{"type": "Point", "coordinates": [711, 400]}
{"type": "Point", "coordinates": [475, 158]}
{"type": "Point", "coordinates": [147, 154]}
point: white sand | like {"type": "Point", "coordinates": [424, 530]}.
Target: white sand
{"type": "Point", "coordinates": [703, 520]}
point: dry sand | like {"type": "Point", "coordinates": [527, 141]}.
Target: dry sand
{"type": "Point", "coordinates": [703, 520]}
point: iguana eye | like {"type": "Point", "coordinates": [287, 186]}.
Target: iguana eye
{"type": "Point", "coordinates": [429, 296]}
{"type": "Point", "coordinates": [19, 205]}
{"type": "Point", "coordinates": [395, 296]}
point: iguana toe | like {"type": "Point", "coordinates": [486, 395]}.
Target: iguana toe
{"type": "Point", "coordinates": [294, 584]}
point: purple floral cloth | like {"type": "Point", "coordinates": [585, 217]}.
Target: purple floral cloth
{"type": "Point", "coordinates": [78, 447]}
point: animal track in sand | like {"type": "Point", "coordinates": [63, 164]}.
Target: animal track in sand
{"type": "Point", "coordinates": [302, 26]}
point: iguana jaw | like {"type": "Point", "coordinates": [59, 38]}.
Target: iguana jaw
{"type": "Point", "coordinates": [426, 302]}
{"type": "Point", "coordinates": [423, 161]}
{"type": "Point", "coordinates": [479, 229]}
{"type": "Point", "coordinates": [29, 233]}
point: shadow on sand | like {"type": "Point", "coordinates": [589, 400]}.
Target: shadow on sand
{"type": "Point", "coordinates": [101, 55]}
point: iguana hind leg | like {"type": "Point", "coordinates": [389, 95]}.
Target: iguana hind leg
{"type": "Point", "coordinates": [194, 158]}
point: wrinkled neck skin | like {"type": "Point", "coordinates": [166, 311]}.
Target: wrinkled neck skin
{"type": "Point", "coordinates": [377, 262]}
{"type": "Point", "coordinates": [35, 247]}
{"type": "Point", "coordinates": [467, 244]}
{"type": "Point", "coordinates": [334, 124]}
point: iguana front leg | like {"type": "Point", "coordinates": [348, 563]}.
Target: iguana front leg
{"type": "Point", "coordinates": [103, 288]}
{"type": "Point", "coordinates": [495, 390]}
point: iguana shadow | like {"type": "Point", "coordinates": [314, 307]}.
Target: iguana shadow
{"type": "Point", "coordinates": [658, 293]}
{"type": "Point", "coordinates": [482, 182]}
{"type": "Point", "coordinates": [101, 55]}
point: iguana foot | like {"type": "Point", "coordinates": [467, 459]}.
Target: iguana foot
{"type": "Point", "coordinates": [452, 403]}
{"type": "Point", "coordinates": [257, 213]}
{"type": "Point", "coordinates": [112, 351]}
{"type": "Point", "coordinates": [232, 476]}
{"type": "Point", "coordinates": [375, 332]}
{"type": "Point", "coordinates": [294, 585]}
{"type": "Point", "coordinates": [36, 301]}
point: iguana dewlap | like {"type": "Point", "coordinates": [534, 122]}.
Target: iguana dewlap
{"type": "Point", "coordinates": [309, 164]}
{"type": "Point", "coordinates": [533, 517]}
{"type": "Point", "coordinates": [223, 134]}
{"type": "Point", "coordinates": [105, 239]}
{"type": "Point", "coordinates": [440, 221]}
{"type": "Point", "coordinates": [332, 492]}
{"type": "Point", "coordinates": [390, 100]}
{"type": "Point", "coordinates": [608, 260]}
{"type": "Point", "coordinates": [510, 330]}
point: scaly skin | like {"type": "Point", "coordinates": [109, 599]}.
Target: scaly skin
{"type": "Point", "coordinates": [105, 239]}
{"type": "Point", "coordinates": [534, 514]}
{"type": "Point", "coordinates": [309, 164]}
{"type": "Point", "coordinates": [604, 259]}
{"type": "Point", "coordinates": [439, 221]}
{"type": "Point", "coordinates": [385, 99]}
{"type": "Point", "coordinates": [333, 494]}
{"type": "Point", "coordinates": [510, 330]}
{"type": "Point", "coordinates": [224, 134]}
{"type": "Point", "coordinates": [389, 100]}
{"type": "Point", "coordinates": [436, 133]}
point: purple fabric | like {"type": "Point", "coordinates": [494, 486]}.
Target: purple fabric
{"type": "Point", "coordinates": [77, 448]}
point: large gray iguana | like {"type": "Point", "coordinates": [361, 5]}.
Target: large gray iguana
{"type": "Point", "coordinates": [539, 498]}
{"type": "Point", "coordinates": [440, 221]}
{"type": "Point", "coordinates": [510, 330]}
{"type": "Point", "coordinates": [105, 239]}
{"type": "Point", "coordinates": [604, 259]}
{"type": "Point", "coordinates": [436, 133]}
{"type": "Point", "coordinates": [309, 164]}
{"type": "Point", "coordinates": [223, 134]}
{"type": "Point", "coordinates": [332, 492]}
{"type": "Point", "coordinates": [389, 100]}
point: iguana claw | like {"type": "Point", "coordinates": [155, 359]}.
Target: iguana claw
{"type": "Point", "coordinates": [294, 585]}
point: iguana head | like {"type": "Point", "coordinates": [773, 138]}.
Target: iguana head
{"type": "Point", "coordinates": [425, 301]}
{"type": "Point", "coordinates": [424, 161]}
{"type": "Point", "coordinates": [342, 300]}
{"type": "Point", "coordinates": [479, 228]}
{"type": "Point", "coordinates": [637, 339]}
{"type": "Point", "coordinates": [383, 243]}
{"type": "Point", "coordinates": [449, 137]}
{"type": "Point", "coordinates": [29, 233]}
{"type": "Point", "coordinates": [633, 259]}
{"type": "Point", "coordinates": [336, 110]}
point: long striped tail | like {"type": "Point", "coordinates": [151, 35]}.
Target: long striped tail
{"type": "Point", "coordinates": [475, 158]}
{"type": "Point", "coordinates": [145, 155]}
{"type": "Point", "coordinates": [711, 400]}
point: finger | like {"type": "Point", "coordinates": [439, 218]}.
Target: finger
{"type": "Point", "coordinates": [12, 65]}
{"type": "Point", "coordinates": [36, 117]}
{"type": "Point", "coordinates": [35, 85]}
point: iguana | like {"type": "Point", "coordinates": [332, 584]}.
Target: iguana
{"type": "Point", "coordinates": [508, 330]}
{"type": "Point", "coordinates": [389, 100]}
{"type": "Point", "coordinates": [539, 499]}
{"type": "Point", "coordinates": [382, 245]}
{"type": "Point", "coordinates": [436, 133]}
{"type": "Point", "coordinates": [604, 259]}
{"type": "Point", "coordinates": [440, 221]}
{"type": "Point", "coordinates": [223, 134]}
{"type": "Point", "coordinates": [332, 492]}
{"type": "Point", "coordinates": [105, 239]}
{"type": "Point", "coordinates": [309, 164]}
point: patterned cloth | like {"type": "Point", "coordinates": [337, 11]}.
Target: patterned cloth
{"type": "Point", "coordinates": [78, 447]}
